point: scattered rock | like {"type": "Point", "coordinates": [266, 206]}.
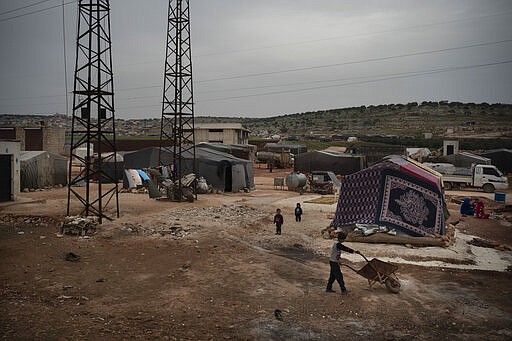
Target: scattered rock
{"type": "Point", "coordinates": [71, 257]}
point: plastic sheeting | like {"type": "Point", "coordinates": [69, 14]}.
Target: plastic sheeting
{"type": "Point", "coordinates": [39, 169]}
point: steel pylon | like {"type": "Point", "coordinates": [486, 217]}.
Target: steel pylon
{"type": "Point", "coordinates": [177, 124]}
{"type": "Point", "coordinates": [93, 123]}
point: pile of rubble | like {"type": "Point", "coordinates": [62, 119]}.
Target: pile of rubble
{"type": "Point", "coordinates": [175, 231]}
{"type": "Point", "coordinates": [26, 189]}
{"type": "Point", "coordinates": [80, 226]}
{"type": "Point", "coordinates": [238, 216]}
{"type": "Point", "coordinates": [28, 220]}
{"type": "Point", "coordinates": [178, 226]}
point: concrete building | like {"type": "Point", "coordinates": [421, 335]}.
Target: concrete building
{"type": "Point", "coordinates": [450, 147]}
{"type": "Point", "coordinates": [9, 170]}
{"type": "Point", "coordinates": [226, 133]}
{"type": "Point", "coordinates": [49, 139]}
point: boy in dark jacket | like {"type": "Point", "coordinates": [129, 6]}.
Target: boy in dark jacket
{"type": "Point", "coordinates": [278, 220]}
{"type": "Point", "coordinates": [298, 212]}
{"type": "Point", "coordinates": [334, 262]}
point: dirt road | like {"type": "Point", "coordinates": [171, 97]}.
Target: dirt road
{"type": "Point", "coordinates": [214, 270]}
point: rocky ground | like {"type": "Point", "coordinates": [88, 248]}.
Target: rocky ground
{"type": "Point", "coordinates": [214, 270]}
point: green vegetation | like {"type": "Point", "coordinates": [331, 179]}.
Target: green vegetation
{"type": "Point", "coordinates": [411, 120]}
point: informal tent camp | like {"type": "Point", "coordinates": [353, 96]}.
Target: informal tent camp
{"type": "Point", "coordinates": [223, 171]}
{"type": "Point", "coordinates": [39, 169]}
{"type": "Point", "coordinates": [398, 193]}
{"type": "Point", "coordinates": [338, 163]}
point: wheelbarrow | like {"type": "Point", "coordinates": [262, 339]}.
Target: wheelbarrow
{"type": "Point", "coordinates": [376, 270]}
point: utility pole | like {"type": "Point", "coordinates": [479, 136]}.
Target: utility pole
{"type": "Point", "coordinates": [177, 124]}
{"type": "Point", "coordinates": [93, 123]}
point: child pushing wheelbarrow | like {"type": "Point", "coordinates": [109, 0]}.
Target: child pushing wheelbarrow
{"type": "Point", "coordinates": [376, 270]}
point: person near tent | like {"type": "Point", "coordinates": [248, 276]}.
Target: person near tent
{"type": "Point", "coordinates": [298, 212]}
{"type": "Point", "coordinates": [278, 220]}
{"type": "Point", "coordinates": [334, 262]}
{"type": "Point", "coordinates": [466, 207]}
{"type": "Point", "coordinates": [479, 209]}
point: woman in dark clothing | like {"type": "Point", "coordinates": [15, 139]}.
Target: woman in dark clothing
{"type": "Point", "coordinates": [466, 208]}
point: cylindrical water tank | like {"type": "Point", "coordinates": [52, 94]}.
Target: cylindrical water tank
{"type": "Point", "coordinates": [296, 180]}
{"type": "Point", "coordinates": [267, 156]}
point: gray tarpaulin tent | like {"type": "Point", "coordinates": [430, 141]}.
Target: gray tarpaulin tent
{"type": "Point", "coordinates": [338, 163]}
{"type": "Point", "coordinates": [237, 150]}
{"type": "Point", "coordinates": [146, 158]}
{"type": "Point", "coordinates": [464, 159]}
{"type": "Point", "coordinates": [501, 158]}
{"type": "Point", "coordinates": [224, 171]}
{"type": "Point", "coordinates": [221, 170]}
{"type": "Point", "coordinates": [113, 170]}
{"type": "Point", "coordinates": [39, 169]}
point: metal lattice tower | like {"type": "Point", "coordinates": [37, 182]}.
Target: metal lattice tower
{"type": "Point", "coordinates": [93, 113]}
{"type": "Point", "coordinates": [177, 125]}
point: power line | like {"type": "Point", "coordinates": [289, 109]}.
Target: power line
{"type": "Point", "coordinates": [355, 62]}
{"type": "Point", "coordinates": [37, 11]}
{"type": "Point", "coordinates": [355, 35]}
{"type": "Point", "coordinates": [329, 65]}
{"type": "Point", "coordinates": [23, 7]}
{"type": "Point", "coordinates": [331, 38]}
{"type": "Point", "coordinates": [381, 77]}
{"type": "Point", "coordinates": [362, 82]}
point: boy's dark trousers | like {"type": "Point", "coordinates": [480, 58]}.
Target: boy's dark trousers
{"type": "Point", "coordinates": [297, 217]}
{"type": "Point", "coordinates": [335, 275]}
{"type": "Point", "coordinates": [278, 228]}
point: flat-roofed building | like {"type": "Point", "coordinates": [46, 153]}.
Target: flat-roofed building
{"type": "Point", "coordinates": [226, 133]}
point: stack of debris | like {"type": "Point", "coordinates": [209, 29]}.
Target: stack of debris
{"type": "Point", "coordinates": [79, 226]}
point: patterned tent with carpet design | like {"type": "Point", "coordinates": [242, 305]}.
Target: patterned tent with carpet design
{"type": "Point", "coordinates": [398, 193]}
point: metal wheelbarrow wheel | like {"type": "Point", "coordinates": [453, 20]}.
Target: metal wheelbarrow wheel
{"type": "Point", "coordinates": [392, 285]}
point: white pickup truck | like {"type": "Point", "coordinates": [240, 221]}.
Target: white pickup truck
{"type": "Point", "coordinates": [487, 177]}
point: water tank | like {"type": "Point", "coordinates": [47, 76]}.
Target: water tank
{"type": "Point", "coordinates": [296, 181]}
{"type": "Point", "coordinates": [267, 156]}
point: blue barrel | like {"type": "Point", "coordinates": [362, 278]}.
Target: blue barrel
{"type": "Point", "coordinates": [499, 196]}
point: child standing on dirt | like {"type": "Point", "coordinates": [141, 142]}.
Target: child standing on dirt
{"type": "Point", "coordinates": [278, 220]}
{"type": "Point", "coordinates": [298, 212]}
{"type": "Point", "coordinates": [334, 262]}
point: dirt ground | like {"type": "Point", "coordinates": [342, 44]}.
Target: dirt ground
{"type": "Point", "coordinates": [215, 270]}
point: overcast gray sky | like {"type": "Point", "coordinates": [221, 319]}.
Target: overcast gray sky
{"type": "Point", "coordinates": [314, 55]}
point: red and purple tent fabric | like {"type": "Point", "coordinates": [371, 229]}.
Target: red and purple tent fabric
{"type": "Point", "coordinates": [396, 192]}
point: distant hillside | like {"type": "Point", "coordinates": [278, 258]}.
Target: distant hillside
{"type": "Point", "coordinates": [412, 119]}
{"type": "Point", "coordinates": [452, 119]}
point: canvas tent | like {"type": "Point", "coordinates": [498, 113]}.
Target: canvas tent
{"type": "Point", "coordinates": [113, 170]}
{"type": "Point", "coordinates": [396, 192]}
{"type": "Point", "coordinates": [247, 152]}
{"type": "Point", "coordinates": [146, 158]}
{"type": "Point", "coordinates": [464, 159]}
{"type": "Point", "coordinates": [338, 163]}
{"type": "Point", "coordinates": [501, 158]}
{"type": "Point", "coordinates": [221, 170]}
{"type": "Point", "coordinates": [39, 169]}
{"type": "Point", "coordinates": [224, 171]}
